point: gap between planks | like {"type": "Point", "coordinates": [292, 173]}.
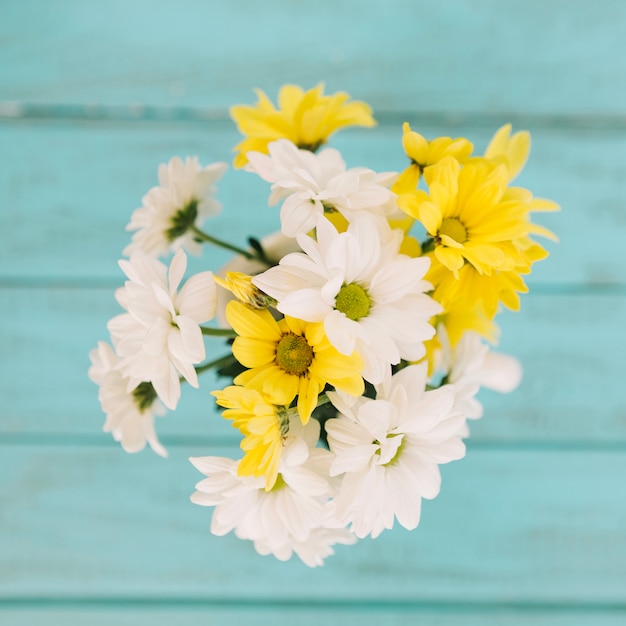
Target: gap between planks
{"type": "Point", "coordinates": [217, 117]}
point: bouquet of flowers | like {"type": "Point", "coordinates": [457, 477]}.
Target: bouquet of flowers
{"type": "Point", "coordinates": [357, 337]}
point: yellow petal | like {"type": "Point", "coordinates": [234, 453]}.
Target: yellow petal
{"type": "Point", "coordinates": [308, 393]}
{"type": "Point", "coordinates": [429, 214]}
{"type": "Point", "coordinates": [415, 146]}
{"type": "Point", "coordinates": [353, 385]}
{"type": "Point", "coordinates": [252, 323]}
{"type": "Point", "coordinates": [483, 257]}
{"type": "Point", "coordinates": [252, 352]}
{"type": "Point", "coordinates": [499, 142]}
{"type": "Point", "coordinates": [290, 97]}
{"type": "Point", "coordinates": [514, 149]}
{"type": "Point", "coordinates": [408, 180]}
{"type": "Point", "coordinates": [541, 204]}
{"type": "Point", "coordinates": [452, 259]}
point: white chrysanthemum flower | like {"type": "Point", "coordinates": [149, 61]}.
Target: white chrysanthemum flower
{"type": "Point", "coordinates": [184, 198]}
{"type": "Point", "coordinates": [369, 297]}
{"type": "Point", "coordinates": [159, 338]}
{"type": "Point", "coordinates": [317, 547]}
{"type": "Point", "coordinates": [471, 365]}
{"type": "Point", "coordinates": [289, 518]}
{"type": "Point", "coordinates": [311, 183]}
{"type": "Point", "coordinates": [390, 448]}
{"type": "Point", "coordinates": [129, 416]}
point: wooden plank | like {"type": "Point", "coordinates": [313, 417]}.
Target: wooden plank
{"type": "Point", "coordinates": [570, 361]}
{"type": "Point", "coordinates": [110, 615]}
{"type": "Point", "coordinates": [528, 56]}
{"type": "Point", "coordinates": [69, 191]}
{"type": "Point", "coordinates": [510, 527]}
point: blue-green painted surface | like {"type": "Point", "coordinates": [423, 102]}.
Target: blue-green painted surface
{"type": "Point", "coordinates": [530, 528]}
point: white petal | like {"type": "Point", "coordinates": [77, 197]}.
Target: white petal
{"type": "Point", "coordinates": [354, 459]}
{"type": "Point", "coordinates": [297, 216]}
{"type": "Point", "coordinates": [167, 387]}
{"type": "Point", "coordinates": [393, 281]}
{"type": "Point", "coordinates": [304, 304]}
{"type": "Point", "coordinates": [198, 298]}
{"type": "Point", "coordinates": [191, 346]}
{"type": "Point", "coordinates": [177, 270]}
{"type": "Point", "coordinates": [501, 372]}
{"type": "Point", "coordinates": [342, 332]}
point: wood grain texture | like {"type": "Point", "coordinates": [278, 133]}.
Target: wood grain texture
{"type": "Point", "coordinates": [508, 527]}
{"type": "Point", "coordinates": [70, 191]}
{"type": "Point", "coordinates": [482, 55]}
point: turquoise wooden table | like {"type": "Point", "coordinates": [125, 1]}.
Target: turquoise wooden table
{"type": "Point", "coordinates": [530, 528]}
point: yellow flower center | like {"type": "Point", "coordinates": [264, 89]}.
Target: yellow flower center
{"type": "Point", "coordinates": [453, 228]}
{"type": "Point", "coordinates": [353, 301]}
{"type": "Point", "coordinates": [294, 354]}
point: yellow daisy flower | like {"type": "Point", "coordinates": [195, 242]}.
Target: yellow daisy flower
{"type": "Point", "coordinates": [307, 118]}
{"type": "Point", "coordinates": [472, 216]}
{"type": "Point", "coordinates": [424, 153]}
{"type": "Point", "coordinates": [263, 427]}
{"type": "Point", "coordinates": [289, 358]}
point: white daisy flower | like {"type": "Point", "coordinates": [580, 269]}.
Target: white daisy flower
{"type": "Point", "coordinates": [289, 518]}
{"type": "Point", "coordinates": [369, 297]}
{"type": "Point", "coordinates": [389, 450]}
{"type": "Point", "coordinates": [183, 199]}
{"type": "Point", "coordinates": [312, 183]}
{"type": "Point", "coordinates": [316, 548]}
{"type": "Point", "coordinates": [471, 365]}
{"type": "Point", "coordinates": [159, 338]}
{"type": "Point", "coordinates": [129, 416]}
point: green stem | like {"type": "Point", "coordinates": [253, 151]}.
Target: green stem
{"type": "Point", "coordinates": [202, 236]}
{"type": "Point", "coordinates": [218, 332]}
{"type": "Point", "coordinates": [429, 245]}
{"type": "Point", "coordinates": [322, 400]}
{"type": "Point", "coordinates": [225, 360]}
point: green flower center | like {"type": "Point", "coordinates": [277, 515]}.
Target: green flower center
{"type": "Point", "coordinates": [294, 354]}
{"type": "Point", "coordinates": [182, 220]}
{"type": "Point", "coordinates": [453, 228]}
{"type": "Point", "coordinates": [311, 147]}
{"type": "Point", "coordinates": [353, 300]}
{"type": "Point", "coordinates": [144, 395]}
{"type": "Point", "coordinates": [396, 456]}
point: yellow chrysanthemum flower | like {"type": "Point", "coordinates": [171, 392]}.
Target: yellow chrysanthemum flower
{"type": "Point", "coordinates": [289, 358]}
{"type": "Point", "coordinates": [259, 420]}
{"type": "Point", "coordinates": [473, 216]}
{"type": "Point", "coordinates": [424, 153]}
{"type": "Point", "coordinates": [307, 118]}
